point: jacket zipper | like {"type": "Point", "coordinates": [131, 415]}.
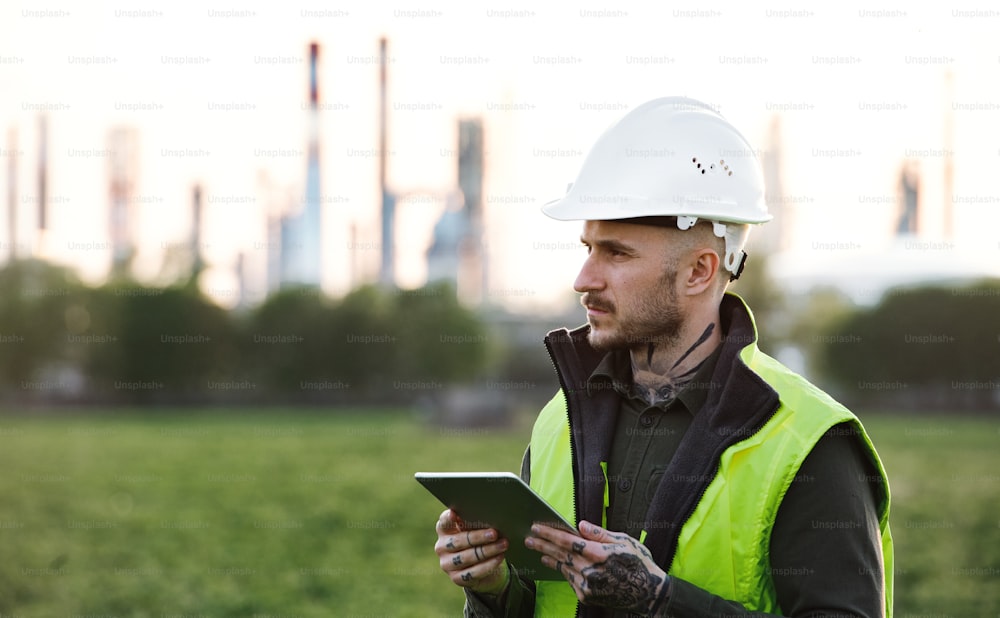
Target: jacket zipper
{"type": "Point", "coordinates": [572, 443]}
{"type": "Point", "coordinates": [569, 422]}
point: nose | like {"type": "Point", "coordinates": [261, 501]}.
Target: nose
{"type": "Point", "coordinates": [589, 279]}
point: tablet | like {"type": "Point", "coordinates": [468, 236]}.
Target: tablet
{"type": "Point", "coordinates": [499, 500]}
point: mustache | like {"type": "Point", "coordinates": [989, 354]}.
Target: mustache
{"type": "Point", "coordinates": [597, 302]}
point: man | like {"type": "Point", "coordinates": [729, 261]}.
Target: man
{"type": "Point", "coordinates": [706, 479]}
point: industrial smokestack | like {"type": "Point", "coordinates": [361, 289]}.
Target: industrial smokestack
{"type": "Point", "coordinates": [908, 221]}
{"type": "Point", "coordinates": [197, 262]}
{"type": "Point", "coordinates": [12, 192]}
{"type": "Point", "coordinates": [382, 78]}
{"type": "Point", "coordinates": [387, 276]}
{"type": "Point", "coordinates": [241, 280]}
{"type": "Point", "coordinates": [43, 170]}
{"type": "Point", "coordinates": [123, 163]}
{"type": "Point", "coordinates": [300, 235]}
{"type": "Point", "coordinates": [310, 217]}
{"type": "Point", "coordinates": [949, 169]}
{"type": "Point", "coordinates": [472, 280]}
{"type": "Point", "coordinates": [313, 78]}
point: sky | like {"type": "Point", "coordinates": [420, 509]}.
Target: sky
{"type": "Point", "coordinates": [217, 92]}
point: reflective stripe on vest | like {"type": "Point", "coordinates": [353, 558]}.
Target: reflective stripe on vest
{"type": "Point", "coordinates": [720, 548]}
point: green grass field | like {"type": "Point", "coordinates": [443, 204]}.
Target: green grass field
{"type": "Point", "coordinates": [295, 514]}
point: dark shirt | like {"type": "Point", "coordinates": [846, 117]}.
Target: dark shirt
{"type": "Point", "coordinates": [646, 437]}
{"type": "Point", "coordinates": [825, 550]}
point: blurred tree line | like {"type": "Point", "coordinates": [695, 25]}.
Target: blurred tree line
{"type": "Point", "coordinates": [61, 340]}
{"type": "Point", "coordinates": [934, 347]}
{"type": "Point", "coordinates": [927, 347]}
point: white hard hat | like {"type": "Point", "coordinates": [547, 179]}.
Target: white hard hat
{"type": "Point", "coordinates": [672, 156]}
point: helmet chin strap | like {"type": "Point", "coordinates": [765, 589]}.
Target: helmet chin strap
{"type": "Point", "coordinates": [739, 271]}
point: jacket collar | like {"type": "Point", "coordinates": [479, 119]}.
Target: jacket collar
{"type": "Point", "coordinates": [739, 403]}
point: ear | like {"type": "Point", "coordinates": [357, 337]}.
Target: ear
{"type": "Point", "coordinates": [703, 266]}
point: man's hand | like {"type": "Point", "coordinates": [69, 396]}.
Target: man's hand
{"type": "Point", "coordinates": [609, 569]}
{"type": "Point", "coordinates": [473, 559]}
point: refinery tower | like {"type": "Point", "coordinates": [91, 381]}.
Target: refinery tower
{"type": "Point", "coordinates": [300, 231]}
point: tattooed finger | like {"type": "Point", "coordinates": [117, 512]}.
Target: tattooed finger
{"type": "Point", "coordinates": [475, 573]}
{"type": "Point", "coordinates": [578, 547]}
{"type": "Point", "coordinates": [451, 543]}
{"type": "Point", "coordinates": [478, 551]}
{"type": "Point", "coordinates": [457, 560]}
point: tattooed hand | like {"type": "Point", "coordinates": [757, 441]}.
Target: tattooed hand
{"type": "Point", "coordinates": [609, 569]}
{"type": "Point", "coordinates": [473, 559]}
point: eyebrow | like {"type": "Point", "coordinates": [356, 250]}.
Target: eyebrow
{"type": "Point", "coordinates": [609, 244]}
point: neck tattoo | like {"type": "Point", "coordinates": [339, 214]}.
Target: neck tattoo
{"type": "Point", "coordinates": [660, 388]}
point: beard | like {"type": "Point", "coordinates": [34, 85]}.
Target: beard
{"type": "Point", "coordinates": [653, 319]}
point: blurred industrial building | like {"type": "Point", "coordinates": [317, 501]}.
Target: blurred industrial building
{"type": "Point", "coordinates": [457, 251]}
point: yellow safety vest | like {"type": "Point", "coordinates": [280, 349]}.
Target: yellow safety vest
{"type": "Point", "coordinates": [723, 546]}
